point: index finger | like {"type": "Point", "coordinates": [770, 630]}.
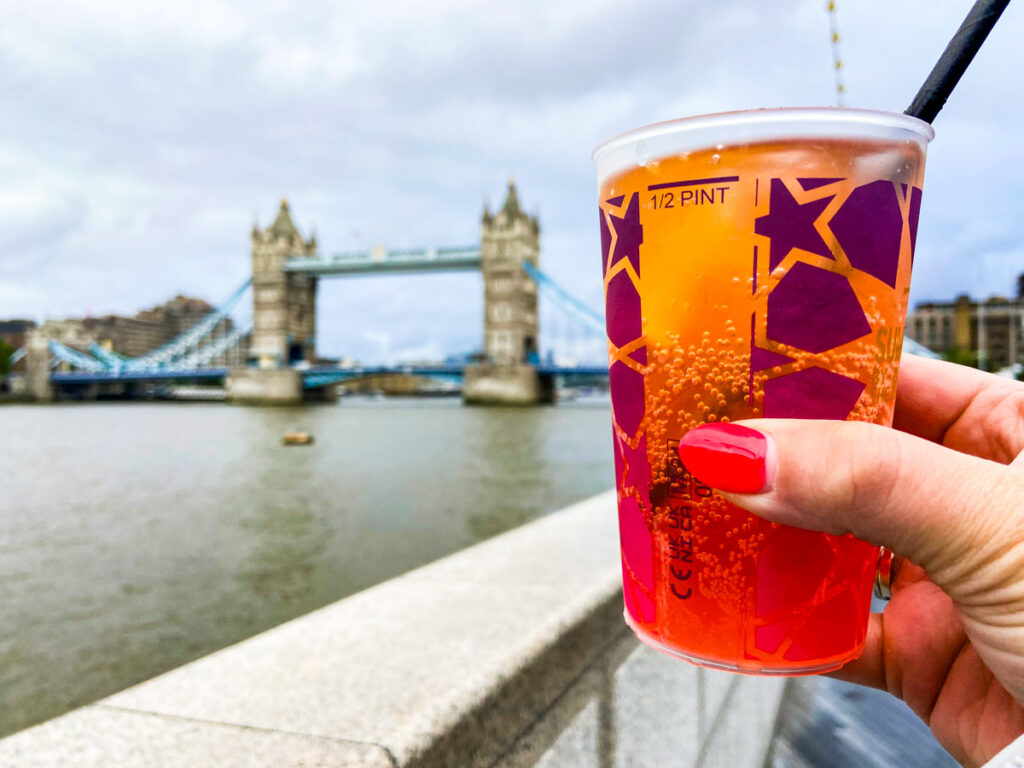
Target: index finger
{"type": "Point", "coordinates": [962, 408]}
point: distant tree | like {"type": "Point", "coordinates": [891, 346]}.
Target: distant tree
{"type": "Point", "coordinates": [6, 350]}
{"type": "Point", "coordinates": [961, 358]}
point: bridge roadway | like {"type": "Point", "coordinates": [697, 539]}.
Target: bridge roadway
{"type": "Point", "coordinates": [313, 377]}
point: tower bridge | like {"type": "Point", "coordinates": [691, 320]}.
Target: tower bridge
{"type": "Point", "coordinates": [282, 360]}
{"type": "Point", "coordinates": [285, 273]}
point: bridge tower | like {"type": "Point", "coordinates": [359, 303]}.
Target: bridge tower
{"type": "Point", "coordinates": [508, 238]}
{"type": "Point", "coordinates": [283, 319]}
{"type": "Point", "coordinates": [284, 303]}
{"type": "Point", "coordinates": [508, 374]}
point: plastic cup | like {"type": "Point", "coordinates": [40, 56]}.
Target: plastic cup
{"type": "Point", "coordinates": [756, 264]}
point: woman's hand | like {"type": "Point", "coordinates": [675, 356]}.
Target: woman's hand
{"type": "Point", "coordinates": [938, 492]}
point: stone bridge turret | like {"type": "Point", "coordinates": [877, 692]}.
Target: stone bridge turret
{"type": "Point", "coordinates": [284, 303]}
{"type": "Point", "coordinates": [508, 374]}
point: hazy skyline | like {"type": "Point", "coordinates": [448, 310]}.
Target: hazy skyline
{"type": "Point", "coordinates": [141, 143]}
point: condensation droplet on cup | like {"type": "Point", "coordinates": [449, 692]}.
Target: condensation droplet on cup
{"type": "Point", "coordinates": [716, 159]}
{"type": "Point", "coordinates": [643, 154]}
{"type": "Point", "coordinates": [719, 147]}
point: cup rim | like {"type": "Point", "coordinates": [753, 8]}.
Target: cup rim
{"type": "Point", "coordinates": [766, 116]}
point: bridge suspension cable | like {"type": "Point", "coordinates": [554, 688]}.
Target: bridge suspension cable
{"type": "Point", "coordinates": [213, 350]}
{"type": "Point", "coordinates": [182, 352]}
{"type": "Point", "coordinates": [564, 300]}
{"type": "Point", "coordinates": [110, 359]}
{"type": "Point", "coordinates": [181, 344]}
{"type": "Point", "coordinates": [75, 358]}
{"type": "Point", "coordinates": [577, 336]}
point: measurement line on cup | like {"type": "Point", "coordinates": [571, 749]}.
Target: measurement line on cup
{"type": "Point", "coordinates": [692, 183]}
{"type": "Point", "coordinates": [753, 290]}
{"type": "Point", "coordinates": [753, 316]}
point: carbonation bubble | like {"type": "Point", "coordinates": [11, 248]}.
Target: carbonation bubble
{"type": "Point", "coordinates": [643, 154]}
{"type": "Point", "coordinates": [716, 159]}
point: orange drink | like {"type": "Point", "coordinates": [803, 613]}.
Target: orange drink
{"type": "Point", "coordinates": [755, 265]}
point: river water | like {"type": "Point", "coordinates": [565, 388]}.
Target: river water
{"type": "Point", "coordinates": [135, 537]}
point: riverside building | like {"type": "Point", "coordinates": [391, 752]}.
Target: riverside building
{"type": "Point", "coordinates": [989, 330]}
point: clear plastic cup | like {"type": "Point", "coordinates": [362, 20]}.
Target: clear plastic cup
{"type": "Point", "coordinates": [756, 264]}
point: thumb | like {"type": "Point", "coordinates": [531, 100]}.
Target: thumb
{"type": "Point", "coordinates": [957, 516]}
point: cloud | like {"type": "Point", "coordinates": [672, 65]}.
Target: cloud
{"type": "Point", "coordinates": [426, 352]}
{"type": "Point", "coordinates": [34, 224]}
{"type": "Point", "coordinates": [381, 340]}
{"type": "Point", "coordinates": [148, 138]}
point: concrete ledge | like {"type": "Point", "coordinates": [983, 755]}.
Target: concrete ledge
{"type": "Point", "coordinates": [446, 665]}
{"type": "Point", "coordinates": [104, 736]}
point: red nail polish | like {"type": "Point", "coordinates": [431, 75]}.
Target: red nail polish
{"type": "Point", "coordinates": [729, 457]}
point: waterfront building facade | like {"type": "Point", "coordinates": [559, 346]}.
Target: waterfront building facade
{"type": "Point", "coordinates": [989, 330]}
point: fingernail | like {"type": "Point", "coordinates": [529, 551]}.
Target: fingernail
{"type": "Point", "coordinates": [729, 457]}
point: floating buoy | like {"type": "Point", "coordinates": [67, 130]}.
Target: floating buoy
{"type": "Point", "coordinates": [297, 438]}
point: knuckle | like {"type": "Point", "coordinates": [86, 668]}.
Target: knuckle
{"type": "Point", "coordinates": [863, 470]}
{"type": "Point", "coordinates": [870, 469]}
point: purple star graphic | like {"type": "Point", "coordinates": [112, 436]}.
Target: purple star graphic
{"type": "Point", "coordinates": [630, 234]}
{"type": "Point", "coordinates": [791, 225]}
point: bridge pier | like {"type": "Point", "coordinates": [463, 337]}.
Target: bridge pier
{"type": "Point", "coordinates": [264, 386]}
{"type": "Point", "coordinates": [507, 385]}
{"type": "Point", "coordinates": [274, 386]}
{"type": "Point", "coordinates": [37, 369]}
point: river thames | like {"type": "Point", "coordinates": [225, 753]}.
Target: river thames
{"type": "Point", "coordinates": [135, 537]}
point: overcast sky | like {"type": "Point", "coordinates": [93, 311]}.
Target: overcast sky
{"type": "Point", "coordinates": [139, 141]}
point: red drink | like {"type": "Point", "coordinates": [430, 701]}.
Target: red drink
{"type": "Point", "coordinates": [765, 275]}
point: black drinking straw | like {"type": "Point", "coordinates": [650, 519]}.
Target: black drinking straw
{"type": "Point", "coordinates": [954, 60]}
